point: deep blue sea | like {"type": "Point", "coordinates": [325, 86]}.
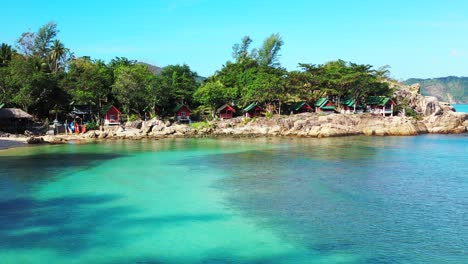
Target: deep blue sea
{"type": "Point", "coordinates": [331, 200]}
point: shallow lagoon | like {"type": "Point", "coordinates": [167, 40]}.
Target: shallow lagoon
{"type": "Point", "coordinates": [461, 108]}
{"type": "Point", "coordinates": [334, 200]}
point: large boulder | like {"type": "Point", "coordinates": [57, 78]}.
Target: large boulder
{"type": "Point", "coordinates": [134, 124]}
{"type": "Point", "coordinates": [35, 140]}
{"type": "Point", "coordinates": [409, 95]}
{"type": "Point", "coordinates": [103, 135]}
{"type": "Point", "coordinates": [55, 140]}
{"type": "Point", "coordinates": [449, 122]}
{"type": "Point", "coordinates": [147, 126]}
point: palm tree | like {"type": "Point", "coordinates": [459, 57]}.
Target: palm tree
{"type": "Point", "coordinates": [57, 53]}
{"type": "Point", "coordinates": [5, 54]}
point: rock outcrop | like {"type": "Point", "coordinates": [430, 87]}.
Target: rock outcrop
{"type": "Point", "coordinates": [409, 95]}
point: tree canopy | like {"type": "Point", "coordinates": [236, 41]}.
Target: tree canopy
{"type": "Point", "coordinates": [42, 73]}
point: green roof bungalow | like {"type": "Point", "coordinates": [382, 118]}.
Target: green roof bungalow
{"type": "Point", "coordinates": [252, 110]}
{"type": "Point", "coordinates": [226, 111]}
{"type": "Point", "coordinates": [323, 105]}
{"type": "Point", "coordinates": [348, 107]}
{"type": "Point", "coordinates": [301, 107]}
{"type": "Point", "coordinates": [182, 113]}
{"type": "Point", "coordinates": [380, 105]}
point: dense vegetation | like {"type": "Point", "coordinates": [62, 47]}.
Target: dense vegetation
{"type": "Point", "coordinates": [43, 77]}
{"type": "Point", "coordinates": [449, 89]}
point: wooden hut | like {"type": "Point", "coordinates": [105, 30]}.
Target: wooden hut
{"type": "Point", "coordinates": [301, 107]}
{"type": "Point", "coordinates": [380, 105]}
{"type": "Point", "coordinates": [348, 107]}
{"type": "Point", "coordinates": [182, 113]}
{"type": "Point", "coordinates": [112, 116]}
{"type": "Point", "coordinates": [252, 110]}
{"type": "Point", "coordinates": [323, 105]}
{"type": "Point", "coordinates": [226, 112]}
{"type": "Point", "coordinates": [14, 120]}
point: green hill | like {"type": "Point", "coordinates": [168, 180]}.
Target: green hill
{"type": "Point", "coordinates": [448, 89]}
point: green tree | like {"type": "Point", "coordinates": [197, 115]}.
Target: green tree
{"type": "Point", "coordinates": [181, 83]}
{"type": "Point", "coordinates": [58, 55]}
{"type": "Point", "coordinates": [25, 43]}
{"type": "Point", "coordinates": [44, 38]}
{"type": "Point", "coordinates": [214, 94]}
{"type": "Point", "coordinates": [240, 51]}
{"type": "Point", "coordinates": [6, 53]}
{"type": "Point", "coordinates": [268, 53]}
{"type": "Point", "coordinates": [269, 86]}
{"type": "Point", "coordinates": [30, 88]}
{"type": "Point", "coordinates": [89, 82]}
{"type": "Point", "coordinates": [130, 87]}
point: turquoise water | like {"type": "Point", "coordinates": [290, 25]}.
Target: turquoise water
{"type": "Point", "coordinates": [334, 200]}
{"type": "Point", "coordinates": [461, 108]}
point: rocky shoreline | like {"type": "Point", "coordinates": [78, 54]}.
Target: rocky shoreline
{"type": "Point", "coordinates": [434, 118]}
{"type": "Point", "coordinates": [301, 125]}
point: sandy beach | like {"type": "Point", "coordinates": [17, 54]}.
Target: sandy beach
{"type": "Point", "coordinates": [7, 142]}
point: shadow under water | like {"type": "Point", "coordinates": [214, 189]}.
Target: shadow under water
{"type": "Point", "coordinates": [69, 224]}
{"type": "Point", "coordinates": [42, 166]}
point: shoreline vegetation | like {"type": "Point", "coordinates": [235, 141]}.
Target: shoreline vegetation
{"type": "Point", "coordinates": [46, 80]}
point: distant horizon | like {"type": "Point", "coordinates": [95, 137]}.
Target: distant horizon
{"type": "Point", "coordinates": [417, 40]}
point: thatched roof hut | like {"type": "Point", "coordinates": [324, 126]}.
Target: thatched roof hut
{"type": "Point", "coordinates": [14, 120]}
{"type": "Point", "coordinates": [14, 113]}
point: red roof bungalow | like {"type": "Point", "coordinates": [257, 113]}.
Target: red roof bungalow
{"type": "Point", "coordinates": [380, 105]}
{"type": "Point", "coordinates": [182, 113]}
{"type": "Point", "coordinates": [252, 110]}
{"type": "Point", "coordinates": [226, 111]}
{"type": "Point", "coordinates": [112, 116]}
{"type": "Point", "coordinates": [324, 105]}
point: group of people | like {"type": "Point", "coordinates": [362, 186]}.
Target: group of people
{"type": "Point", "coordinates": [75, 127]}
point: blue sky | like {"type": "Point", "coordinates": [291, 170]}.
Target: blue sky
{"type": "Point", "coordinates": [416, 38]}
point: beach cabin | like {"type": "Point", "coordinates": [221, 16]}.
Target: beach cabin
{"type": "Point", "coordinates": [380, 105]}
{"type": "Point", "coordinates": [348, 107]}
{"type": "Point", "coordinates": [182, 113]}
{"type": "Point", "coordinates": [323, 105]}
{"type": "Point", "coordinates": [14, 120]}
{"type": "Point", "coordinates": [301, 107]}
{"type": "Point", "coordinates": [226, 112]}
{"type": "Point", "coordinates": [252, 110]}
{"type": "Point", "coordinates": [112, 116]}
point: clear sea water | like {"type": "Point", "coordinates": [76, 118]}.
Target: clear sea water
{"type": "Point", "coordinates": [461, 108]}
{"type": "Point", "coordinates": [333, 200]}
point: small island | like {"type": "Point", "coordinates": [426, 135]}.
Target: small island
{"type": "Point", "coordinates": [47, 91]}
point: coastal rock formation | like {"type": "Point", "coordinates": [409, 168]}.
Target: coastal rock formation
{"type": "Point", "coordinates": [447, 123]}
{"type": "Point", "coordinates": [409, 95]}
{"type": "Point", "coordinates": [315, 125]}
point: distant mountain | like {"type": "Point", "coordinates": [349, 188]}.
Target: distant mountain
{"type": "Point", "coordinates": [157, 70]}
{"type": "Point", "coordinates": [448, 89]}
{"type": "Point", "coordinates": [153, 68]}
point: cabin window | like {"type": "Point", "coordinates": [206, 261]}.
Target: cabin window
{"type": "Point", "coordinates": [112, 117]}
{"type": "Point", "coordinates": [184, 114]}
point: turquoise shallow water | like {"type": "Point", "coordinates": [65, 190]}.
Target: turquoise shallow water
{"type": "Point", "coordinates": [335, 200]}
{"type": "Point", "coordinates": [461, 108]}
